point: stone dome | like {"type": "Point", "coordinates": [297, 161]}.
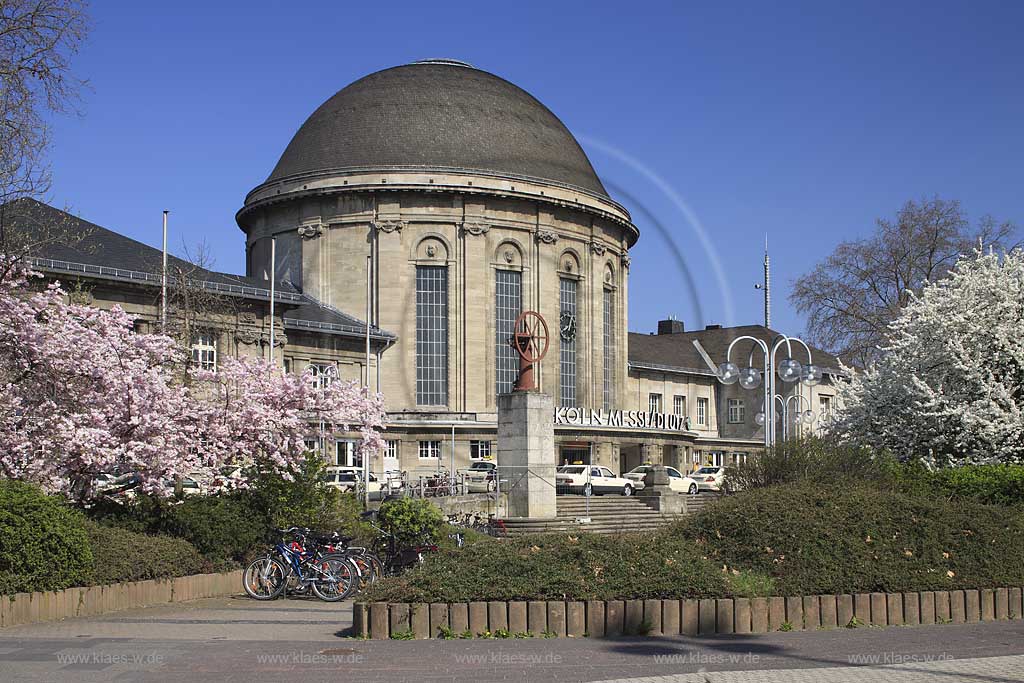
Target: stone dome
{"type": "Point", "coordinates": [437, 114]}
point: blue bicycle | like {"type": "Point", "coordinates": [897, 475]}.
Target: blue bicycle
{"type": "Point", "coordinates": [303, 563]}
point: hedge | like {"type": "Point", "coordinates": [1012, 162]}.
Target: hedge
{"type": "Point", "coordinates": [123, 555]}
{"type": "Point", "coordinates": [558, 567]}
{"type": "Point", "coordinates": [43, 544]}
{"type": "Point", "coordinates": [815, 538]}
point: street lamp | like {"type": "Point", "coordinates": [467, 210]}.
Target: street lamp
{"type": "Point", "coordinates": [788, 370]}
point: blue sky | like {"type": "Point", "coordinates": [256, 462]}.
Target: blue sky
{"type": "Point", "coordinates": [803, 120]}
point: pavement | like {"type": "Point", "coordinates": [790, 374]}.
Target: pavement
{"type": "Point", "coordinates": [238, 639]}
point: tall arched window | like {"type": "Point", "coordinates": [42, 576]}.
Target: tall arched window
{"type": "Point", "coordinates": [431, 335]}
{"type": "Point", "coordinates": [508, 304]}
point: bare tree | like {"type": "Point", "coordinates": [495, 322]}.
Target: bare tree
{"type": "Point", "coordinates": [38, 38]}
{"type": "Point", "coordinates": [850, 297]}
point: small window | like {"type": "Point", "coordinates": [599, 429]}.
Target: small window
{"type": "Point", "coordinates": [679, 405]}
{"type": "Point", "coordinates": [391, 449]}
{"type": "Point", "coordinates": [479, 450]}
{"type": "Point", "coordinates": [321, 374]}
{"type": "Point", "coordinates": [204, 352]}
{"type": "Point", "coordinates": [429, 450]}
{"type": "Point", "coordinates": [654, 403]}
{"type": "Point", "coordinates": [702, 412]}
{"type": "Point", "coordinates": [595, 471]}
{"type": "Point", "coordinates": [737, 411]}
{"type": "Point", "coordinates": [605, 472]}
{"type": "Point", "coordinates": [824, 408]}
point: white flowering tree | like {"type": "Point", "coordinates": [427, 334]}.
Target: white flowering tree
{"type": "Point", "coordinates": [82, 394]}
{"type": "Point", "coordinates": [949, 386]}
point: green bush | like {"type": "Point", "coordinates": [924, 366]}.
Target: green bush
{"type": "Point", "coordinates": [810, 458]}
{"type": "Point", "coordinates": [228, 527]}
{"type": "Point", "coordinates": [123, 555]}
{"type": "Point", "coordinates": [559, 567]}
{"type": "Point", "coordinates": [222, 528]}
{"type": "Point", "coordinates": [411, 520]}
{"type": "Point", "coordinates": [43, 544]}
{"type": "Point", "coordinates": [811, 537]}
{"type": "Point", "coordinates": [989, 484]}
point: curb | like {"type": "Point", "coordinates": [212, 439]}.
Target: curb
{"type": "Point", "coordinates": [708, 616]}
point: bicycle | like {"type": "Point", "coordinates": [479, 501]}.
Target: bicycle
{"type": "Point", "coordinates": [331, 576]}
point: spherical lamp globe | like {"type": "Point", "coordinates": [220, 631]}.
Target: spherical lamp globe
{"type": "Point", "coordinates": [759, 419]}
{"type": "Point", "coordinates": [811, 375]}
{"type": "Point", "coordinates": [750, 378]}
{"type": "Point", "coordinates": [728, 373]}
{"type": "Point", "coordinates": [789, 370]}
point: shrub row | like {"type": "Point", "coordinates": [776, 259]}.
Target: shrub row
{"type": "Point", "coordinates": [841, 538]}
{"type": "Point", "coordinates": [559, 567]}
{"type": "Point", "coordinates": [804, 538]}
{"type": "Point", "coordinates": [47, 545]}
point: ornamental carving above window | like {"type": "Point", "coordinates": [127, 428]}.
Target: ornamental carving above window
{"type": "Point", "coordinates": [475, 229]}
{"type": "Point", "coordinates": [388, 226]}
{"type": "Point", "coordinates": [547, 236]}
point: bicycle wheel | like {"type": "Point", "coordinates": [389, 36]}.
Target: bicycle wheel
{"type": "Point", "coordinates": [366, 570]}
{"type": "Point", "coordinates": [376, 565]}
{"type": "Point", "coordinates": [265, 579]}
{"type": "Point", "coordinates": [336, 579]}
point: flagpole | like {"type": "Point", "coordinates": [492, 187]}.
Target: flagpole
{"type": "Point", "coordinates": [163, 281]}
{"type": "Point", "coordinates": [273, 273]}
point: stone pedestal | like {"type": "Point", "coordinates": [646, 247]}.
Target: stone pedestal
{"type": "Point", "coordinates": [657, 492]}
{"type": "Point", "coordinates": [526, 453]}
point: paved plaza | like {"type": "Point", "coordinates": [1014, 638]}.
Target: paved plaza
{"type": "Point", "coordinates": [237, 639]}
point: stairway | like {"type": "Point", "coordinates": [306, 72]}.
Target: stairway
{"type": "Point", "coordinates": [608, 514]}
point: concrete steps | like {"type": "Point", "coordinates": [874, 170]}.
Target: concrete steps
{"type": "Point", "coordinates": [608, 514]}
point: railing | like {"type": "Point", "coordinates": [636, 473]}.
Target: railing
{"type": "Point", "coordinates": [141, 276]}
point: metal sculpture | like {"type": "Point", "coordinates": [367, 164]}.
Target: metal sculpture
{"type": "Point", "coordinates": [530, 339]}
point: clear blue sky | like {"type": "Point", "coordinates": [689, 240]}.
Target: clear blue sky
{"type": "Point", "coordinates": [805, 120]}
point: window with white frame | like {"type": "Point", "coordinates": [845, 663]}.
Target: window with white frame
{"type": "Point", "coordinates": [679, 405]}
{"type": "Point", "coordinates": [391, 449]}
{"type": "Point", "coordinates": [824, 408]}
{"type": "Point", "coordinates": [654, 403]}
{"type": "Point", "coordinates": [608, 349]}
{"type": "Point", "coordinates": [321, 374]}
{"type": "Point", "coordinates": [429, 450]}
{"type": "Point", "coordinates": [702, 412]}
{"type": "Point", "coordinates": [204, 351]}
{"type": "Point", "coordinates": [480, 450]}
{"type": "Point", "coordinates": [737, 411]}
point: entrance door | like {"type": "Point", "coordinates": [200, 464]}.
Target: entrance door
{"type": "Point", "coordinates": [574, 454]}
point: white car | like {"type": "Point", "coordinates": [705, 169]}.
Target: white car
{"type": "Point", "coordinates": [591, 479]}
{"type": "Point", "coordinates": [347, 480]}
{"type": "Point", "coordinates": [481, 476]}
{"type": "Point", "coordinates": [676, 480]}
{"type": "Point", "coordinates": [189, 487]}
{"type": "Point", "coordinates": [709, 478]}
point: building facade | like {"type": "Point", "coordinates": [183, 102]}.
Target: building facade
{"type": "Point", "coordinates": [432, 203]}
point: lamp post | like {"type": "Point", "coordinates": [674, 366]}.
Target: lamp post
{"type": "Point", "coordinates": [787, 370]}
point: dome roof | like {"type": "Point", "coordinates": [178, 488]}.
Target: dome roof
{"type": "Point", "coordinates": [439, 114]}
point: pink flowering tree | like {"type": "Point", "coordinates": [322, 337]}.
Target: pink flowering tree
{"type": "Point", "coordinates": [82, 394]}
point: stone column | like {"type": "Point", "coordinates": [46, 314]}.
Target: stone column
{"type": "Point", "coordinates": [651, 453]}
{"type": "Point", "coordinates": [526, 453]}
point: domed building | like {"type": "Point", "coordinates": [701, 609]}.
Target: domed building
{"type": "Point", "coordinates": [409, 221]}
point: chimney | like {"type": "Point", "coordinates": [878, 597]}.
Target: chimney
{"type": "Point", "coordinates": [712, 327]}
{"type": "Point", "coordinates": [670, 326]}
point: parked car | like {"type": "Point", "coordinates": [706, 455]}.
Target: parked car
{"type": "Point", "coordinates": [228, 478]}
{"type": "Point", "coordinates": [709, 478]}
{"type": "Point", "coordinates": [189, 487]}
{"type": "Point", "coordinates": [591, 479]}
{"type": "Point", "coordinates": [482, 476]}
{"type": "Point", "coordinates": [677, 481]}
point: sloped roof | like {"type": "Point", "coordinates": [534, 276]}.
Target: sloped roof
{"type": "Point", "coordinates": [677, 350]}
{"type": "Point", "coordinates": [77, 247]}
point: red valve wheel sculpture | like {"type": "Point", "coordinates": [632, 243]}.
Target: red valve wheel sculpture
{"type": "Point", "coordinates": [530, 339]}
